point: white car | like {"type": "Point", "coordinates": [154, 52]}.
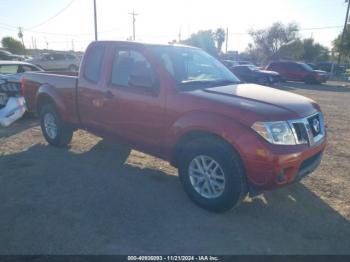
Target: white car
{"type": "Point", "coordinates": [14, 109]}
{"type": "Point", "coordinates": [12, 103]}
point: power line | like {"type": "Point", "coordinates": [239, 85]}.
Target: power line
{"type": "Point", "coordinates": [52, 17]}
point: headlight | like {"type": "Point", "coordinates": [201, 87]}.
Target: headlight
{"type": "Point", "coordinates": [278, 133]}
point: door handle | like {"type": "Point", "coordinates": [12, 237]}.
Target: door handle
{"type": "Point", "coordinates": [108, 94]}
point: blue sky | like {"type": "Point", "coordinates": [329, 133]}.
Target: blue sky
{"type": "Point", "coordinates": [162, 20]}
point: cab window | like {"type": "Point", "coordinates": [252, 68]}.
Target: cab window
{"type": "Point", "coordinates": [93, 63]}
{"type": "Point", "coordinates": [132, 69]}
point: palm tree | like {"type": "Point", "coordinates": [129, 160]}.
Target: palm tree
{"type": "Point", "coordinates": [219, 36]}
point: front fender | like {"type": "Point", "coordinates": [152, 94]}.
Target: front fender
{"type": "Point", "coordinates": [207, 122]}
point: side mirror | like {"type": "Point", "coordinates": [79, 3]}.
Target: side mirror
{"type": "Point", "coordinates": [144, 81]}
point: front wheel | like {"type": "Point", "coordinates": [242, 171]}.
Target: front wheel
{"type": "Point", "coordinates": [310, 80]}
{"type": "Point", "coordinates": [55, 131]}
{"type": "Point", "coordinates": [212, 175]}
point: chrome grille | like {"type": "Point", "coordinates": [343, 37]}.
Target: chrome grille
{"type": "Point", "coordinates": [304, 130]}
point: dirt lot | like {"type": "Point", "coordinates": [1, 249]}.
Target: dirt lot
{"type": "Point", "coordinates": [75, 201]}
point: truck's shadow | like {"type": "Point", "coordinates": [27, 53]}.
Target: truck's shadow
{"type": "Point", "coordinates": [20, 125]}
{"type": "Point", "coordinates": [55, 201]}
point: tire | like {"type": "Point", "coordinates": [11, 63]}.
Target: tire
{"type": "Point", "coordinates": [234, 187]}
{"type": "Point", "coordinates": [55, 131]}
{"type": "Point", "coordinates": [310, 80]}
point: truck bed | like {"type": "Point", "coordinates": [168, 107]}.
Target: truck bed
{"type": "Point", "coordinates": [62, 85]}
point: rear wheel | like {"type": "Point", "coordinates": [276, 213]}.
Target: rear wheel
{"type": "Point", "coordinates": [212, 175]}
{"type": "Point", "coordinates": [55, 131]}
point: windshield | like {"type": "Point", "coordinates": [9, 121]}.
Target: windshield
{"type": "Point", "coordinates": [306, 67]}
{"type": "Point", "coordinates": [193, 67]}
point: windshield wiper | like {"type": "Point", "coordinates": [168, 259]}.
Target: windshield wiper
{"type": "Point", "coordinates": [196, 82]}
{"type": "Point", "coordinates": [225, 82]}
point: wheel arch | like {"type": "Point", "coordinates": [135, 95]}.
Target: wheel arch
{"type": "Point", "coordinates": [197, 134]}
{"type": "Point", "coordinates": [46, 94]}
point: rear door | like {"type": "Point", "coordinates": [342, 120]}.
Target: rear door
{"type": "Point", "coordinates": [46, 62]}
{"type": "Point", "coordinates": [92, 93]}
{"type": "Point", "coordinates": [59, 61]}
{"type": "Point", "coordinates": [295, 72]}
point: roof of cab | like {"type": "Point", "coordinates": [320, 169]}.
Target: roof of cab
{"type": "Point", "coordinates": [135, 43]}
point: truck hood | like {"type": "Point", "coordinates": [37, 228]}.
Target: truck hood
{"type": "Point", "coordinates": [255, 102]}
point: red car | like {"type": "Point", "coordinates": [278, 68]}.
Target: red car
{"type": "Point", "coordinates": [300, 72]}
{"type": "Point", "coordinates": [182, 105]}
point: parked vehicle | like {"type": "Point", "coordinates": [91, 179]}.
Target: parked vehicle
{"type": "Point", "coordinates": [14, 67]}
{"type": "Point", "coordinates": [12, 103]}
{"type": "Point", "coordinates": [329, 66]}
{"type": "Point", "coordinates": [297, 71]}
{"type": "Point", "coordinates": [229, 63]}
{"type": "Point", "coordinates": [252, 74]}
{"type": "Point", "coordinates": [313, 66]}
{"type": "Point", "coordinates": [182, 105]}
{"type": "Point", "coordinates": [6, 55]}
{"type": "Point", "coordinates": [244, 63]}
{"type": "Point", "coordinates": [57, 61]}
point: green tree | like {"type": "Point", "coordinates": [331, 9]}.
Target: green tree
{"type": "Point", "coordinates": [270, 40]}
{"type": "Point", "coordinates": [204, 40]}
{"type": "Point", "coordinates": [314, 52]}
{"type": "Point", "coordinates": [346, 43]}
{"type": "Point", "coordinates": [219, 37]}
{"type": "Point", "coordinates": [13, 45]}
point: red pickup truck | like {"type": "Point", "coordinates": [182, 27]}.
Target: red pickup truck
{"type": "Point", "coordinates": [180, 104]}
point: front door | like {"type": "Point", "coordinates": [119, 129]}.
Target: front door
{"type": "Point", "coordinates": [120, 97]}
{"type": "Point", "coordinates": [139, 114]}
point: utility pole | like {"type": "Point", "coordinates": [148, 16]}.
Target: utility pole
{"type": "Point", "coordinates": [180, 35]}
{"type": "Point", "coordinates": [226, 39]}
{"type": "Point", "coordinates": [47, 44]}
{"type": "Point", "coordinates": [72, 44]}
{"type": "Point", "coordinates": [344, 30]}
{"type": "Point", "coordinates": [20, 34]}
{"type": "Point", "coordinates": [95, 19]}
{"type": "Point", "coordinates": [133, 23]}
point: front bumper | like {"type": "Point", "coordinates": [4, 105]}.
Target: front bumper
{"type": "Point", "coordinates": [278, 168]}
{"type": "Point", "coordinates": [13, 110]}
{"type": "Point", "coordinates": [322, 78]}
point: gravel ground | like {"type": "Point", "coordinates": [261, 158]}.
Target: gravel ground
{"type": "Point", "coordinates": [76, 201]}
